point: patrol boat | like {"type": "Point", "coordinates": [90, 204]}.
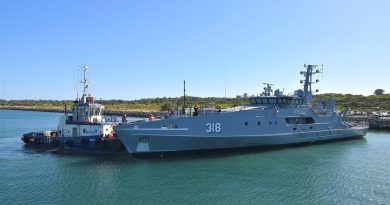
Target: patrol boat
{"type": "Point", "coordinates": [82, 130]}
{"type": "Point", "coordinates": [270, 119]}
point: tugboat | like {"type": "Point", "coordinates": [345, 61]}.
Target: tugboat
{"type": "Point", "coordinates": [83, 130]}
{"type": "Point", "coordinates": [270, 119]}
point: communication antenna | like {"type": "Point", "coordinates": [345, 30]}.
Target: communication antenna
{"type": "Point", "coordinates": [308, 74]}
{"type": "Point", "coordinates": [75, 86]}
{"type": "Point", "coordinates": [268, 89]}
{"type": "Point", "coordinates": [85, 81]}
{"type": "Point", "coordinates": [184, 97]}
{"type": "Point", "coordinates": [76, 80]}
{"type": "Point", "coordinates": [225, 86]}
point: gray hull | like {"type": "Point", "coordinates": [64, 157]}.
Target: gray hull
{"type": "Point", "coordinates": [143, 141]}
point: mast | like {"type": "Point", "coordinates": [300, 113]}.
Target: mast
{"type": "Point", "coordinates": [85, 82]}
{"type": "Point", "coordinates": [184, 106]}
{"type": "Point", "coordinates": [225, 86]}
{"type": "Point", "coordinates": [308, 74]}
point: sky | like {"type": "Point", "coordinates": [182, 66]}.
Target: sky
{"type": "Point", "coordinates": [145, 49]}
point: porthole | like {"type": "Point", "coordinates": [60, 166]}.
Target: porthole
{"type": "Point", "coordinates": [276, 122]}
{"type": "Point", "coordinates": [258, 123]}
{"type": "Point", "coordinates": [270, 123]}
{"type": "Point", "coordinates": [246, 123]}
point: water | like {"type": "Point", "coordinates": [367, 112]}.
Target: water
{"type": "Point", "coordinates": [348, 172]}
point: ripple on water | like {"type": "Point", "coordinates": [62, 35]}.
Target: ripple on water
{"type": "Point", "coordinates": [350, 172]}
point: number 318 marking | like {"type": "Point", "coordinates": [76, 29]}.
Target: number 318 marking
{"type": "Point", "coordinates": [213, 127]}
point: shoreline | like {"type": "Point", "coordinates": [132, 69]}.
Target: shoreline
{"type": "Point", "coordinates": [375, 122]}
{"type": "Point", "coordinates": [130, 113]}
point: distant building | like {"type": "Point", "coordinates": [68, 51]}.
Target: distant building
{"type": "Point", "coordinates": [245, 95]}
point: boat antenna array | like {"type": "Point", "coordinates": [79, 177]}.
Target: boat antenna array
{"type": "Point", "coordinates": [308, 75]}
{"type": "Point", "coordinates": [267, 89]}
{"type": "Point", "coordinates": [85, 82]}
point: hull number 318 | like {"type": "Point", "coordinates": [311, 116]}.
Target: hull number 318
{"type": "Point", "coordinates": [213, 127]}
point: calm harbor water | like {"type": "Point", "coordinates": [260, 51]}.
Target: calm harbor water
{"type": "Point", "coordinates": [348, 172]}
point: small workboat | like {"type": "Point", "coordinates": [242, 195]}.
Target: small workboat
{"type": "Point", "coordinates": [83, 130]}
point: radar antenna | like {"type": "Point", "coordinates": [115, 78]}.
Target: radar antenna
{"type": "Point", "coordinates": [308, 74]}
{"type": "Point", "coordinates": [268, 89]}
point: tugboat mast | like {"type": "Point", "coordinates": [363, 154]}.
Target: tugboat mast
{"type": "Point", "coordinates": [85, 82]}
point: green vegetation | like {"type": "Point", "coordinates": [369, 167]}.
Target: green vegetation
{"type": "Point", "coordinates": [379, 92]}
{"type": "Point", "coordinates": [359, 102]}
{"type": "Point", "coordinates": [354, 102]}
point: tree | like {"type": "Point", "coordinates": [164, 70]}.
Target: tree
{"type": "Point", "coordinates": [167, 107]}
{"type": "Point", "coordinates": [379, 92]}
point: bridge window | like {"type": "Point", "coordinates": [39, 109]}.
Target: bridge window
{"type": "Point", "coordinates": [272, 101]}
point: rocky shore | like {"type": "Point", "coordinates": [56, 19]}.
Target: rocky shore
{"type": "Point", "coordinates": [375, 122]}
{"type": "Point", "coordinates": [130, 113]}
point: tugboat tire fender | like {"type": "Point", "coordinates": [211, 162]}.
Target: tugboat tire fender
{"type": "Point", "coordinates": [55, 143]}
{"type": "Point", "coordinates": [25, 139]}
{"type": "Point", "coordinates": [38, 141]}
{"type": "Point", "coordinates": [69, 143]}
{"type": "Point", "coordinates": [99, 142]}
{"type": "Point", "coordinates": [116, 144]}
{"type": "Point", "coordinates": [84, 141]}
